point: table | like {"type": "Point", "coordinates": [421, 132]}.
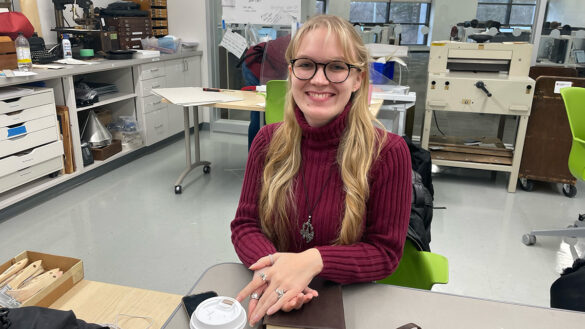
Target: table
{"type": "Point", "coordinates": [371, 305]}
{"type": "Point", "coordinates": [98, 302]}
{"type": "Point", "coordinates": [249, 102]}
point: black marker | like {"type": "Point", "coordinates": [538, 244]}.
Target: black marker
{"type": "Point", "coordinates": [212, 89]}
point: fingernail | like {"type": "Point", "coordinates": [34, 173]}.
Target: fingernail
{"type": "Point", "coordinates": [255, 319]}
{"type": "Point", "coordinates": [270, 311]}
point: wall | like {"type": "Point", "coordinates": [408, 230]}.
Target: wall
{"type": "Point", "coordinates": [446, 13]}
{"type": "Point", "coordinates": [567, 12]}
{"type": "Point", "coordinates": [187, 21]}
{"type": "Point", "coordinates": [339, 8]}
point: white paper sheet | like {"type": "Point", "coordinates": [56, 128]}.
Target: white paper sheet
{"type": "Point", "coordinates": [192, 96]}
{"type": "Point", "coordinates": [234, 43]}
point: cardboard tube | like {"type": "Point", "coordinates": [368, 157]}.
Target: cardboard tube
{"type": "Point", "coordinates": [30, 9]}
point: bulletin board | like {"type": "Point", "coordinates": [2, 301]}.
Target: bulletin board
{"type": "Point", "coordinates": [263, 12]}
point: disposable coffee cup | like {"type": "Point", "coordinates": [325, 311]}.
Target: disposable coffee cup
{"type": "Point", "coordinates": [219, 313]}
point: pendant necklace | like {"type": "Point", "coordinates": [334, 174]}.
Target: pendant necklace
{"type": "Point", "coordinates": [307, 231]}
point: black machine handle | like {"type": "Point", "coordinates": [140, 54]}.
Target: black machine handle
{"type": "Point", "coordinates": [481, 86]}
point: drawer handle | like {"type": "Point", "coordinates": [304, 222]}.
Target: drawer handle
{"type": "Point", "coordinates": [156, 103]}
{"type": "Point", "coordinates": [22, 172]}
{"type": "Point", "coordinates": [27, 160]}
{"type": "Point", "coordinates": [14, 113]}
{"type": "Point", "coordinates": [154, 70]}
{"type": "Point", "coordinates": [157, 86]}
{"type": "Point", "coordinates": [159, 126]}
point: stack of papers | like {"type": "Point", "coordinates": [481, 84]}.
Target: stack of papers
{"type": "Point", "coordinates": [193, 96]}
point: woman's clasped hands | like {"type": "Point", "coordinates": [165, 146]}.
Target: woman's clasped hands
{"type": "Point", "coordinates": [281, 282]}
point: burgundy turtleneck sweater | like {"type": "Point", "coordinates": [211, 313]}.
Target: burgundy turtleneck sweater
{"type": "Point", "coordinates": [379, 250]}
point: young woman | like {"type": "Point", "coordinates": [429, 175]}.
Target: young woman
{"type": "Point", "coordinates": [325, 192]}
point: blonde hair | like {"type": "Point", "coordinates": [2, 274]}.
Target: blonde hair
{"type": "Point", "coordinates": [359, 145]}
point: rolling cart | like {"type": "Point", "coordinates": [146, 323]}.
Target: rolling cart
{"type": "Point", "coordinates": [548, 136]}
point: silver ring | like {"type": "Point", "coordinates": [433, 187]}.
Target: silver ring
{"type": "Point", "coordinates": [254, 295]}
{"type": "Point", "coordinates": [280, 293]}
{"type": "Point", "coordinates": [271, 259]}
{"type": "Point", "coordinates": [263, 276]}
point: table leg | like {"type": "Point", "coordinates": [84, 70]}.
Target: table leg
{"type": "Point", "coordinates": [189, 164]}
{"type": "Point", "coordinates": [261, 119]}
{"type": "Point", "coordinates": [518, 148]}
{"type": "Point", "coordinates": [426, 129]}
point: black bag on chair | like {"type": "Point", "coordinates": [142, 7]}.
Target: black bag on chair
{"type": "Point", "coordinates": [568, 291]}
{"type": "Point", "coordinates": [34, 317]}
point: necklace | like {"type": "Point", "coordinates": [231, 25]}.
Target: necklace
{"type": "Point", "coordinates": [307, 231]}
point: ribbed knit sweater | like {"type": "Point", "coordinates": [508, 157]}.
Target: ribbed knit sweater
{"type": "Point", "coordinates": [385, 223]}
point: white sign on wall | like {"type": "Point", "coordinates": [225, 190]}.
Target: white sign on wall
{"type": "Point", "coordinates": [268, 12]}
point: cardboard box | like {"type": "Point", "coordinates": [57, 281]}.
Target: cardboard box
{"type": "Point", "coordinates": [72, 273]}
{"type": "Point", "coordinates": [7, 53]}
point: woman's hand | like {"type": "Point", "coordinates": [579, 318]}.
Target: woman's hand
{"type": "Point", "coordinates": [284, 284]}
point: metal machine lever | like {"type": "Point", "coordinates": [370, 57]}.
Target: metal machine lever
{"type": "Point", "coordinates": [481, 86]}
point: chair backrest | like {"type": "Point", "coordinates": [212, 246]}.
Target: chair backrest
{"type": "Point", "coordinates": [419, 269]}
{"type": "Point", "coordinates": [275, 96]}
{"type": "Point", "coordinates": [574, 98]}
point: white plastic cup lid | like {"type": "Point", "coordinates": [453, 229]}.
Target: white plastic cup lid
{"type": "Point", "coordinates": [219, 313]}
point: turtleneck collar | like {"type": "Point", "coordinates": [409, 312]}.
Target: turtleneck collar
{"type": "Point", "coordinates": [328, 134]}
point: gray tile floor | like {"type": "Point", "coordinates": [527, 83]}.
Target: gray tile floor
{"type": "Point", "coordinates": [130, 228]}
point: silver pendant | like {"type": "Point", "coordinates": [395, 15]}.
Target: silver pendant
{"type": "Point", "coordinates": [307, 231]}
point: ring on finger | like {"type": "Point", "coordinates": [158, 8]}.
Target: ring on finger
{"type": "Point", "coordinates": [255, 295]}
{"type": "Point", "coordinates": [280, 293]}
{"type": "Point", "coordinates": [262, 276]}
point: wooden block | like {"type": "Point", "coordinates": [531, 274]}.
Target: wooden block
{"type": "Point", "coordinates": [107, 151]}
{"type": "Point", "coordinates": [63, 113]}
{"type": "Point", "coordinates": [7, 53]}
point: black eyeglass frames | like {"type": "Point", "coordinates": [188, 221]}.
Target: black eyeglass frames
{"type": "Point", "coordinates": [335, 71]}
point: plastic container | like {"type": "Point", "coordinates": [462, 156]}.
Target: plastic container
{"type": "Point", "coordinates": [387, 70]}
{"type": "Point", "coordinates": [23, 53]}
{"type": "Point", "coordinates": [67, 53]}
{"type": "Point", "coordinates": [219, 313]}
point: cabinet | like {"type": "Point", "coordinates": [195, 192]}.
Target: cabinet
{"type": "Point", "coordinates": [161, 120]}
{"type": "Point", "coordinates": [134, 80]}
{"type": "Point", "coordinates": [29, 139]}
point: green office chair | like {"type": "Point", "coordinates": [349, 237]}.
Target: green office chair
{"type": "Point", "coordinates": [574, 98]}
{"type": "Point", "coordinates": [275, 96]}
{"type": "Point", "coordinates": [419, 269]}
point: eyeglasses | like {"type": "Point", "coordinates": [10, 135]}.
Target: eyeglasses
{"type": "Point", "coordinates": [335, 71]}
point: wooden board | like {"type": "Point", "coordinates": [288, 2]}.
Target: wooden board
{"type": "Point", "coordinates": [99, 302]}
{"type": "Point", "coordinates": [467, 157]}
{"type": "Point", "coordinates": [30, 9]}
{"type": "Point", "coordinates": [63, 113]}
{"type": "Point", "coordinates": [456, 144]}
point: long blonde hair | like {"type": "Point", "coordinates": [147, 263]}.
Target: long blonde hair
{"type": "Point", "coordinates": [359, 145]}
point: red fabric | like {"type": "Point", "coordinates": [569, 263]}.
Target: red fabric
{"type": "Point", "coordinates": [13, 22]}
{"type": "Point", "coordinates": [388, 207]}
{"type": "Point", "coordinates": [276, 66]}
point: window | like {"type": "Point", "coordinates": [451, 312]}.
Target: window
{"type": "Point", "coordinates": [507, 12]}
{"type": "Point", "coordinates": [320, 7]}
{"type": "Point", "coordinates": [411, 15]}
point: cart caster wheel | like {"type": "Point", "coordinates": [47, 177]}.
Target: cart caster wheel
{"type": "Point", "coordinates": [528, 239]}
{"type": "Point", "coordinates": [582, 217]}
{"type": "Point", "coordinates": [206, 169]}
{"type": "Point", "coordinates": [526, 184]}
{"type": "Point", "coordinates": [569, 190]}
{"type": "Point", "coordinates": [178, 189]}
{"type": "Point", "coordinates": [54, 174]}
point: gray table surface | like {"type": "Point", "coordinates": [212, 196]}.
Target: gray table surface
{"type": "Point", "coordinates": [98, 66]}
{"type": "Point", "coordinates": [371, 305]}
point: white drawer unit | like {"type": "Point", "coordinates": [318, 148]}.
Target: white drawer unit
{"type": "Point", "coordinates": [31, 157]}
{"type": "Point", "coordinates": [29, 139]}
{"type": "Point", "coordinates": [152, 70]}
{"type": "Point", "coordinates": [45, 96]}
{"type": "Point", "coordinates": [24, 128]}
{"type": "Point", "coordinates": [156, 126]}
{"type": "Point", "coordinates": [30, 173]}
{"type": "Point", "coordinates": [148, 85]}
{"type": "Point", "coordinates": [19, 116]}
{"type": "Point", "coordinates": [151, 103]}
